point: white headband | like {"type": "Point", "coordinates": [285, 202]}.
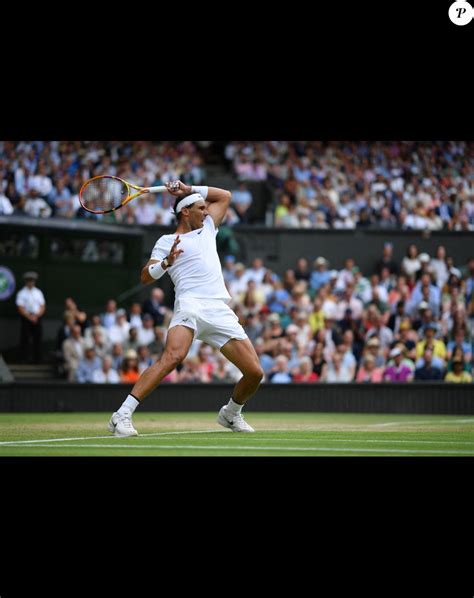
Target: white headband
{"type": "Point", "coordinates": [187, 201]}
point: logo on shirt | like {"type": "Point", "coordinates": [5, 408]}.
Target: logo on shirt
{"type": "Point", "coordinates": [7, 283]}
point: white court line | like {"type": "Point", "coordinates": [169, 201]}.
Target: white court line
{"type": "Point", "coordinates": [261, 448]}
{"type": "Point", "coordinates": [109, 436]}
{"type": "Point", "coordinates": [433, 421]}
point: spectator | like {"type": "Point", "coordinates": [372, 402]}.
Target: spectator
{"type": "Point", "coordinates": [439, 348]}
{"type": "Point", "coordinates": [302, 271]}
{"type": "Point", "coordinates": [410, 263]}
{"type": "Point", "coordinates": [337, 371]}
{"type": "Point", "coordinates": [117, 356]}
{"type": "Point", "coordinates": [31, 306]}
{"type": "Point", "coordinates": [320, 365]}
{"type": "Point", "coordinates": [368, 372]}
{"type": "Point", "coordinates": [73, 351]}
{"type": "Point", "coordinates": [320, 275]}
{"type": "Point", "coordinates": [461, 343]}
{"type": "Point", "coordinates": [107, 319]}
{"type": "Point", "coordinates": [396, 371]}
{"type": "Point", "coordinates": [154, 306]}
{"type": "Point", "coordinates": [386, 261]}
{"type": "Point", "coordinates": [129, 372]}
{"type": "Point", "coordinates": [428, 371]}
{"type": "Point", "coordinates": [146, 334]}
{"type": "Point", "coordinates": [144, 358]}
{"type": "Point", "coordinates": [305, 373]}
{"type": "Point", "coordinates": [157, 346]}
{"type": "Point", "coordinates": [241, 200]}
{"type": "Point", "coordinates": [106, 374]}
{"type": "Point", "coordinates": [119, 332]}
{"type": "Point", "coordinates": [88, 364]}
{"type": "Point", "coordinates": [280, 372]}
{"type": "Point", "coordinates": [458, 374]}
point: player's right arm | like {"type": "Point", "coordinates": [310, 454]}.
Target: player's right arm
{"type": "Point", "coordinates": [167, 262]}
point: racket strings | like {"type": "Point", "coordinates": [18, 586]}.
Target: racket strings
{"type": "Point", "coordinates": [104, 194]}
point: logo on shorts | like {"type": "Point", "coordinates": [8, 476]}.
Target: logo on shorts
{"type": "Point", "coordinates": [7, 283]}
{"type": "Point", "coordinates": [185, 320]}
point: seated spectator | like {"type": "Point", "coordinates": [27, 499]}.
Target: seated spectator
{"type": "Point", "coordinates": [368, 372]}
{"type": "Point", "coordinates": [456, 356]}
{"type": "Point", "coordinates": [458, 374]}
{"type": "Point", "coordinates": [373, 348]}
{"type": "Point", "coordinates": [280, 372]}
{"type": "Point", "coordinates": [302, 271]}
{"type": "Point", "coordinates": [428, 371]}
{"type": "Point", "coordinates": [106, 374]}
{"type": "Point", "coordinates": [73, 351]}
{"type": "Point", "coordinates": [157, 346]}
{"type": "Point", "coordinates": [305, 373]}
{"type": "Point", "coordinates": [337, 371]}
{"type": "Point", "coordinates": [190, 370]}
{"type": "Point", "coordinates": [144, 358]}
{"type": "Point", "coordinates": [439, 348]}
{"type": "Point", "coordinates": [319, 363]}
{"type": "Point", "coordinates": [107, 318]}
{"type": "Point", "coordinates": [117, 356]}
{"type": "Point", "coordinates": [225, 371]}
{"type": "Point", "coordinates": [95, 326]}
{"type": "Point", "coordinates": [136, 315]}
{"type": "Point", "coordinates": [146, 334]}
{"type": "Point", "coordinates": [65, 329]}
{"type": "Point", "coordinates": [88, 364]}
{"type": "Point", "coordinates": [129, 372]}
{"type": "Point", "coordinates": [154, 306]}
{"type": "Point", "coordinates": [241, 200]}
{"type": "Point", "coordinates": [386, 261]}
{"type": "Point", "coordinates": [320, 274]}
{"type": "Point", "coordinates": [101, 346]}
{"type": "Point", "coordinates": [119, 332]}
{"type": "Point", "coordinates": [397, 371]}
{"type": "Point", "coordinates": [461, 343]}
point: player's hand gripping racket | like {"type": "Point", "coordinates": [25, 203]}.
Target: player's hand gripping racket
{"type": "Point", "coordinates": [103, 194]}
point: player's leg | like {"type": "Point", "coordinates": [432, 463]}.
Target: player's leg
{"type": "Point", "coordinates": [242, 354]}
{"type": "Point", "coordinates": [178, 342]}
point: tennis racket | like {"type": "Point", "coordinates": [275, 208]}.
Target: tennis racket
{"type": "Point", "coordinates": [104, 194]}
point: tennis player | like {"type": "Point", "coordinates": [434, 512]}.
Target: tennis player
{"type": "Point", "coordinates": [190, 258]}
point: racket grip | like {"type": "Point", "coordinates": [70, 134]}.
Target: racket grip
{"type": "Point", "coordinates": [158, 189]}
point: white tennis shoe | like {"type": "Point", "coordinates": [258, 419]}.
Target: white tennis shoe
{"type": "Point", "coordinates": [235, 422]}
{"type": "Point", "coordinates": [121, 424]}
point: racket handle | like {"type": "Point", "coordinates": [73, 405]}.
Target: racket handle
{"type": "Point", "coordinates": [158, 189]}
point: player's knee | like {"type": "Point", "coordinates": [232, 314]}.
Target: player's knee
{"type": "Point", "coordinates": [255, 373]}
{"type": "Point", "coordinates": [173, 357]}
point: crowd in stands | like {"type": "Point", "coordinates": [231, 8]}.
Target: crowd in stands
{"type": "Point", "coordinates": [406, 185]}
{"type": "Point", "coordinates": [321, 185]}
{"type": "Point", "coordinates": [406, 321]}
{"type": "Point", "coordinates": [42, 179]}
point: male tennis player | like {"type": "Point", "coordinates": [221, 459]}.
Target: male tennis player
{"type": "Point", "coordinates": [200, 310]}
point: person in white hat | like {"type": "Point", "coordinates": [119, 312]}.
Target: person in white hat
{"type": "Point", "coordinates": [31, 306]}
{"type": "Point", "coordinates": [201, 308]}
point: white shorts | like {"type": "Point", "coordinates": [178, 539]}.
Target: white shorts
{"type": "Point", "coordinates": [212, 320]}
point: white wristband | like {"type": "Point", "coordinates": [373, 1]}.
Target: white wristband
{"type": "Point", "coordinates": [156, 271]}
{"type": "Point", "coordinates": [203, 190]}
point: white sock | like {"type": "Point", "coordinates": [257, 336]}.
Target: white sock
{"type": "Point", "coordinates": [130, 404]}
{"type": "Point", "coordinates": [234, 407]}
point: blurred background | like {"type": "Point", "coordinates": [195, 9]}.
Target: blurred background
{"type": "Point", "coordinates": [347, 261]}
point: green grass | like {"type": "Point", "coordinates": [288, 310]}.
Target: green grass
{"type": "Point", "coordinates": [278, 434]}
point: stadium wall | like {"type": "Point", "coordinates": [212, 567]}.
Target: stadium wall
{"type": "Point", "coordinates": [423, 398]}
